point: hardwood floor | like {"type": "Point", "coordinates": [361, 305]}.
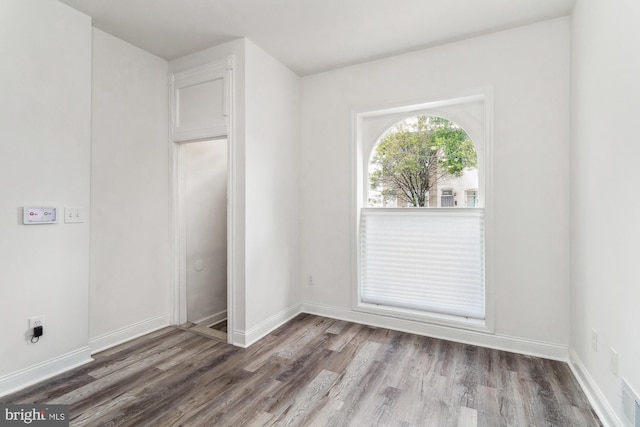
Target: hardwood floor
{"type": "Point", "coordinates": [221, 326]}
{"type": "Point", "coordinates": [314, 371]}
{"type": "Point", "coordinates": [210, 332]}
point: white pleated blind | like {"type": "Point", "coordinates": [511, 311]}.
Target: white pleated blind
{"type": "Point", "coordinates": [424, 259]}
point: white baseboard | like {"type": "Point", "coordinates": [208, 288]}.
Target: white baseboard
{"type": "Point", "coordinates": [245, 339]}
{"type": "Point", "coordinates": [598, 401]}
{"type": "Point", "coordinates": [213, 319]}
{"type": "Point", "coordinates": [42, 371]}
{"type": "Point", "coordinates": [129, 332]}
{"type": "Point", "coordinates": [498, 342]}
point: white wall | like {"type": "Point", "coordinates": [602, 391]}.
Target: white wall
{"type": "Point", "coordinates": [605, 239]}
{"type": "Point", "coordinates": [129, 192]}
{"type": "Point", "coordinates": [272, 187]}
{"type": "Point", "coordinates": [528, 68]}
{"type": "Point", "coordinates": [205, 189]}
{"type": "Point", "coordinates": [45, 117]}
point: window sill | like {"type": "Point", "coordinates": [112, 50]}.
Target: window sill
{"type": "Point", "coordinates": [477, 325]}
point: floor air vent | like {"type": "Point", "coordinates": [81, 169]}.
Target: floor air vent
{"type": "Point", "coordinates": [631, 405]}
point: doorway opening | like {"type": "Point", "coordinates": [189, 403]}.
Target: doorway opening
{"type": "Point", "coordinates": [203, 183]}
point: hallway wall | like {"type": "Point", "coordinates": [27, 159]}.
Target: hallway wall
{"type": "Point", "coordinates": [129, 287]}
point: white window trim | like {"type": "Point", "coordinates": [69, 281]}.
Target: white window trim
{"type": "Point", "coordinates": [359, 195]}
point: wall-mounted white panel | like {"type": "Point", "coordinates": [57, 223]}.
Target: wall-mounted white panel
{"type": "Point", "coordinates": [39, 215]}
{"type": "Point", "coordinates": [200, 100]}
{"type": "Point", "coordinates": [200, 105]}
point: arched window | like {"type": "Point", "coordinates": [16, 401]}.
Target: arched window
{"type": "Point", "coordinates": [421, 224]}
{"type": "Point", "coordinates": [423, 161]}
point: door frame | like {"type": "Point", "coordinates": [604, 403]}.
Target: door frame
{"type": "Point", "coordinates": [177, 199]}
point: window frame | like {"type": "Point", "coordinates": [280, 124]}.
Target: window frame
{"type": "Point", "coordinates": [365, 136]}
{"type": "Point", "coordinates": [443, 195]}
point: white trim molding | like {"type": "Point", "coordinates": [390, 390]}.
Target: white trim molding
{"type": "Point", "coordinates": [212, 319]}
{"type": "Point", "coordinates": [129, 332]}
{"type": "Point", "coordinates": [41, 371]}
{"type": "Point", "coordinates": [598, 401]}
{"type": "Point", "coordinates": [472, 109]}
{"type": "Point", "coordinates": [216, 126]}
{"type": "Point", "coordinates": [499, 342]}
{"type": "Point", "coordinates": [245, 338]}
{"type": "Point", "coordinates": [222, 127]}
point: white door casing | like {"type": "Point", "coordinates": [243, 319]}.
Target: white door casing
{"type": "Point", "coordinates": [201, 105]}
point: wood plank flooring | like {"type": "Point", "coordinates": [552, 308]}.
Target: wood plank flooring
{"type": "Point", "coordinates": [221, 326]}
{"type": "Point", "coordinates": [314, 371]}
{"type": "Point", "coordinates": [210, 332]}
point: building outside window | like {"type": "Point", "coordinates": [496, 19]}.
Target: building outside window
{"type": "Point", "coordinates": [471, 198]}
{"type": "Point", "coordinates": [446, 199]}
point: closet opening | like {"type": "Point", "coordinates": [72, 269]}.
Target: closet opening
{"type": "Point", "coordinates": [203, 230]}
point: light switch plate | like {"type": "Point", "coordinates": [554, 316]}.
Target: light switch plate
{"type": "Point", "coordinates": [613, 362]}
{"type": "Point", "coordinates": [73, 215]}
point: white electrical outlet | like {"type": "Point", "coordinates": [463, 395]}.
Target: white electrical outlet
{"type": "Point", "coordinates": [36, 321]}
{"type": "Point", "coordinates": [310, 280]}
{"type": "Point", "coordinates": [594, 340]}
{"type": "Point", "coordinates": [613, 365]}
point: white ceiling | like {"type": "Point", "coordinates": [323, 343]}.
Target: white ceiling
{"type": "Point", "coordinates": [310, 36]}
